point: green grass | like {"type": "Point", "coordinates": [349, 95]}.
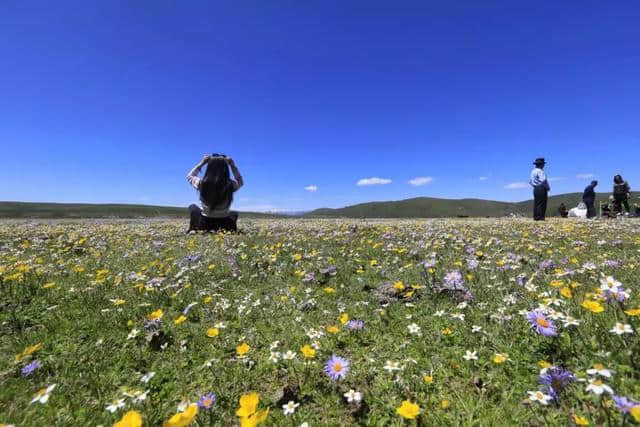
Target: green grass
{"type": "Point", "coordinates": [270, 284]}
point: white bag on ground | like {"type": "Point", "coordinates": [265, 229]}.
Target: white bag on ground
{"type": "Point", "coordinates": [579, 211]}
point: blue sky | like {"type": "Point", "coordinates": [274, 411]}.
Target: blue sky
{"type": "Point", "coordinates": [114, 101]}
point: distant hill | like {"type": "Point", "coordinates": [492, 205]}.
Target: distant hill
{"type": "Point", "coordinates": [428, 207]}
{"type": "Point", "coordinates": [420, 207]}
{"type": "Point", "coordinates": [86, 210]}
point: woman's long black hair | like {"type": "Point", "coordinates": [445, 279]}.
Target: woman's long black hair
{"type": "Point", "coordinates": [618, 179]}
{"type": "Point", "coordinates": [216, 188]}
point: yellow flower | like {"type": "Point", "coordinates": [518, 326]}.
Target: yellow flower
{"type": "Point", "coordinates": [208, 299]}
{"type": "Point", "coordinates": [428, 379]}
{"type": "Point", "coordinates": [373, 263]}
{"type": "Point", "coordinates": [308, 351]}
{"type": "Point", "coordinates": [182, 419]}
{"type": "Point", "coordinates": [156, 315]}
{"type": "Point", "coordinates": [444, 404]}
{"type": "Point", "coordinates": [297, 257]}
{"type": "Point", "coordinates": [398, 285]}
{"type": "Point", "coordinates": [242, 349]}
{"type": "Point", "coordinates": [556, 283]}
{"type": "Point", "coordinates": [446, 331]}
{"type": "Point", "coordinates": [213, 332]}
{"type": "Point", "coordinates": [130, 323]}
{"type": "Point", "coordinates": [130, 419]}
{"type": "Point", "coordinates": [593, 306]}
{"type": "Point", "coordinates": [333, 329]}
{"type": "Point", "coordinates": [544, 364]}
{"type": "Point", "coordinates": [500, 358]}
{"type": "Point", "coordinates": [408, 410]}
{"type": "Point", "coordinates": [180, 319]}
{"type": "Point", "coordinates": [254, 419]}
{"type": "Point", "coordinates": [344, 318]}
{"type": "Point", "coordinates": [118, 302]}
{"type": "Point", "coordinates": [580, 421]}
{"type": "Point", "coordinates": [48, 285]}
{"type": "Point", "coordinates": [635, 413]}
{"type": "Point", "coordinates": [329, 290]}
{"type": "Point", "coordinates": [566, 292]}
{"type": "Point", "coordinates": [248, 404]}
{"type": "Point", "coordinates": [211, 267]}
{"type": "Point", "coordinates": [633, 312]}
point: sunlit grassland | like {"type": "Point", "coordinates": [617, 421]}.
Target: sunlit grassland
{"type": "Point", "coordinates": [84, 291]}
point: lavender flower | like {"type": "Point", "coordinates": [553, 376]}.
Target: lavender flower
{"type": "Point", "coordinates": [547, 264]}
{"type": "Point", "coordinates": [336, 367]}
{"type": "Point", "coordinates": [28, 369]}
{"type": "Point", "coordinates": [624, 404]}
{"type": "Point", "coordinates": [521, 279]}
{"type": "Point", "coordinates": [541, 324]}
{"type": "Point", "coordinates": [207, 401]}
{"type": "Point", "coordinates": [453, 280]}
{"type": "Point", "coordinates": [355, 324]}
{"type": "Point", "coordinates": [556, 379]}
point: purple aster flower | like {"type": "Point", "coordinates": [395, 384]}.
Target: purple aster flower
{"type": "Point", "coordinates": [612, 263]}
{"type": "Point", "coordinates": [547, 264]}
{"type": "Point", "coordinates": [541, 324]}
{"type": "Point", "coordinates": [336, 367]}
{"type": "Point", "coordinates": [453, 280]}
{"type": "Point", "coordinates": [472, 264]}
{"type": "Point", "coordinates": [556, 379]}
{"type": "Point", "coordinates": [28, 369]}
{"type": "Point", "coordinates": [355, 324]}
{"type": "Point", "coordinates": [624, 404]}
{"type": "Point", "coordinates": [429, 264]}
{"type": "Point", "coordinates": [521, 279]}
{"type": "Point", "coordinates": [207, 401]}
{"type": "Point", "coordinates": [615, 295]}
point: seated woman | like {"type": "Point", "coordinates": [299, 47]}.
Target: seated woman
{"type": "Point", "coordinates": [216, 190]}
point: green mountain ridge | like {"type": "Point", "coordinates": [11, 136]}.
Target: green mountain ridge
{"type": "Point", "coordinates": [429, 207]}
{"type": "Point", "coordinates": [111, 210]}
{"type": "Point", "coordinates": [419, 207]}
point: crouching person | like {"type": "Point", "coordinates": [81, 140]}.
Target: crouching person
{"type": "Point", "coordinates": [216, 190]}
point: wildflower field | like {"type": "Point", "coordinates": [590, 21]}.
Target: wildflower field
{"type": "Point", "coordinates": [317, 322]}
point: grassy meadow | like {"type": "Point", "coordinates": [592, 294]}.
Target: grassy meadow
{"type": "Point", "coordinates": [324, 322]}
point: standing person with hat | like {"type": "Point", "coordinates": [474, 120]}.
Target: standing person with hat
{"type": "Point", "coordinates": [541, 189]}
{"type": "Point", "coordinates": [589, 199]}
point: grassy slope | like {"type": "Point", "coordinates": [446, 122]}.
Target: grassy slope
{"type": "Point", "coordinates": [427, 207]}
{"type": "Point", "coordinates": [86, 210]}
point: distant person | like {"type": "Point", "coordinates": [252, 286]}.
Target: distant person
{"type": "Point", "coordinates": [579, 211]}
{"type": "Point", "coordinates": [589, 199]}
{"type": "Point", "coordinates": [621, 192]}
{"type": "Point", "coordinates": [541, 189]}
{"type": "Point", "coordinates": [216, 190]}
{"type": "Point", "coordinates": [605, 209]}
{"type": "Point", "coordinates": [562, 210]}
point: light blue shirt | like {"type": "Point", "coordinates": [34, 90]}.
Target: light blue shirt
{"type": "Point", "coordinates": [539, 178]}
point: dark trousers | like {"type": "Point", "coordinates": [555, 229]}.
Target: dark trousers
{"type": "Point", "coordinates": [621, 199]}
{"type": "Point", "coordinates": [539, 203]}
{"type": "Point", "coordinates": [199, 222]}
{"type": "Point", "coordinates": [591, 207]}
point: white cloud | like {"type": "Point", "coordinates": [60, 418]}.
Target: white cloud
{"type": "Point", "coordinates": [311, 188]}
{"type": "Point", "coordinates": [483, 178]}
{"type": "Point", "coordinates": [585, 176]}
{"type": "Point", "coordinates": [556, 178]}
{"type": "Point", "coordinates": [516, 186]}
{"type": "Point", "coordinates": [373, 181]}
{"type": "Point", "coordinates": [421, 180]}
